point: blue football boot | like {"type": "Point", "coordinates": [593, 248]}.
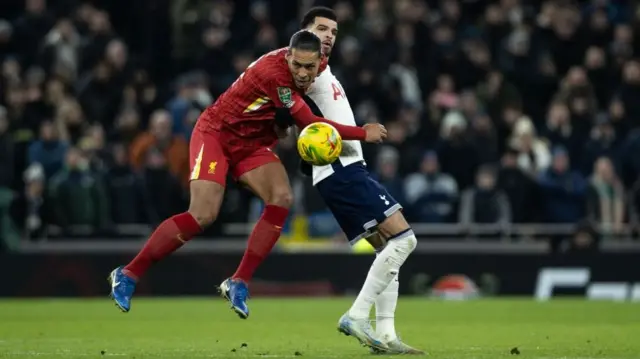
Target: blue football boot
{"type": "Point", "coordinates": [122, 288]}
{"type": "Point", "coordinates": [236, 292]}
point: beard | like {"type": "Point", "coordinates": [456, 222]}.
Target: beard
{"type": "Point", "coordinates": [326, 50]}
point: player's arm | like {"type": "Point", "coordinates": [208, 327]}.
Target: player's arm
{"type": "Point", "coordinates": [303, 117]}
{"type": "Point", "coordinates": [283, 96]}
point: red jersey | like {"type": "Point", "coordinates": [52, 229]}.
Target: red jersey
{"type": "Point", "coordinates": [247, 108]}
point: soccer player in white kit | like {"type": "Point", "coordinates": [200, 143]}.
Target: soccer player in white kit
{"type": "Point", "coordinates": [363, 208]}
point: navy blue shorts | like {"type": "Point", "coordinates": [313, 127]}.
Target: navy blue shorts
{"type": "Point", "coordinates": [358, 202]}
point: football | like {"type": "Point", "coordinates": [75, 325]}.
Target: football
{"type": "Point", "coordinates": [319, 144]}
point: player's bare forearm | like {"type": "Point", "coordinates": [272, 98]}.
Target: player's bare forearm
{"type": "Point", "coordinates": [304, 117]}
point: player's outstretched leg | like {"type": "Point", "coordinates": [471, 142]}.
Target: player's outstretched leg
{"type": "Point", "coordinates": [206, 197]}
{"type": "Point", "coordinates": [383, 271]}
{"type": "Point", "coordinates": [386, 304]}
{"type": "Point", "coordinates": [269, 182]}
{"type": "Point", "coordinates": [385, 321]}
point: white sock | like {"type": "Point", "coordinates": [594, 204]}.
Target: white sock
{"type": "Point", "coordinates": [386, 310]}
{"type": "Point", "coordinates": [383, 270]}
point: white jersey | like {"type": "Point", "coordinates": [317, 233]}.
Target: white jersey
{"type": "Point", "coordinates": [327, 93]}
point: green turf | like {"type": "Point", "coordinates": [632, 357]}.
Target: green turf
{"type": "Point", "coordinates": [206, 328]}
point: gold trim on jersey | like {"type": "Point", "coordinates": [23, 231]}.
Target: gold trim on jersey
{"type": "Point", "coordinates": [255, 105]}
{"type": "Point", "coordinates": [195, 173]}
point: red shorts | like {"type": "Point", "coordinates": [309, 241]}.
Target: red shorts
{"type": "Point", "coordinates": [210, 159]}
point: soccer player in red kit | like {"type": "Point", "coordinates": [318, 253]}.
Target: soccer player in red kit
{"type": "Point", "coordinates": [237, 134]}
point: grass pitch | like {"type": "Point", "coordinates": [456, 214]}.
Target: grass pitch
{"type": "Point", "coordinates": [306, 328]}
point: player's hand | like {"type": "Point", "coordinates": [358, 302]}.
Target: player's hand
{"type": "Point", "coordinates": [376, 133]}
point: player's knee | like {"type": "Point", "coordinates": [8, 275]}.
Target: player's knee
{"type": "Point", "coordinates": [204, 217]}
{"type": "Point", "coordinates": [394, 224]}
{"type": "Point", "coordinates": [405, 241]}
{"type": "Point", "coordinates": [401, 246]}
{"type": "Point", "coordinates": [204, 214]}
{"type": "Point", "coordinates": [282, 198]}
{"type": "Point", "coordinates": [206, 198]}
{"type": "Point", "coordinates": [411, 242]}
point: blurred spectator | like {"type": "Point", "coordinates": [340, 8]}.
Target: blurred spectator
{"type": "Point", "coordinates": [405, 72]}
{"type": "Point", "coordinates": [61, 48]}
{"type": "Point", "coordinates": [93, 145]}
{"type": "Point", "coordinates": [430, 194]}
{"type": "Point", "coordinates": [485, 203]}
{"type": "Point", "coordinates": [117, 58]}
{"type": "Point", "coordinates": [559, 129]}
{"type": "Point", "coordinates": [99, 94]}
{"type": "Point", "coordinates": [603, 142]}
{"type": "Point", "coordinates": [125, 190]}
{"type": "Point", "coordinates": [484, 139]}
{"type": "Point", "coordinates": [585, 239]}
{"type": "Point", "coordinates": [6, 152]}
{"type": "Point", "coordinates": [519, 187]}
{"type": "Point", "coordinates": [6, 40]}
{"type": "Point", "coordinates": [634, 205]}
{"type": "Point", "coordinates": [563, 191]}
{"type": "Point", "coordinates": [70, 121]}
{"type": "Point", "coordinates": [606, 197]}
{"type": "Point", "coordinates": [534, 154]}
{"type": "Point", "coordinates": [162, 190]}
{"type": "Point", "coordinates": [599, 75]}
{"type": "Point", "coordinates": [444, 97]}
{"type": "Point", "coordinates": [496, 92]}
{"type": "Point", "coordinates": [7, 227]}
{"type": "Point", "coordinates": [127, 126]}
{"type": "Point", "coordinates": [174, 148]}
{"type": "Point", "coordinates": [30, 28]}
{"type": "Point", "coordinates": [35, 210]}
{"type": "Point", "coordinates": [78, 196]}
{"type": "Point", "coordinates": [49, 150]}
{"type": "Point", "coordinates": [97, 37]}
{"type": "Point", "coordinates": [618, 118]}
{"type": "Point", "coordinates": [387, 172]}
{"type": "Point", "coordinates": [190, 96]}
{"type": "Point", "coordinates": [630, 91]}
{"type": "Point", "coordinates": [456, 151]}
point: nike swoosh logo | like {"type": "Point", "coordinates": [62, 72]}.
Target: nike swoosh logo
{"type": "Point", "coordinates": [115, 284]}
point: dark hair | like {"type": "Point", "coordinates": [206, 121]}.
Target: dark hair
{"type": "Point", "coordinates": [317, 11]}
{"type": "Point", "coordinates": [305, 40]}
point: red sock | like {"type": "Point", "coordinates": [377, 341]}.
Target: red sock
{"type": "Point", "coordinates": [166, 239]}
{"type": "Point", "coordinates": [262, 239]}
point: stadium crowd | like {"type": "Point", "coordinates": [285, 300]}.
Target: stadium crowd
{"type": "Point", "coordinates": [508, 111]}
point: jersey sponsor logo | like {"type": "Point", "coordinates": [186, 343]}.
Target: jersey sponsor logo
{"type": "Point", "coordinates": [284, 93]}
